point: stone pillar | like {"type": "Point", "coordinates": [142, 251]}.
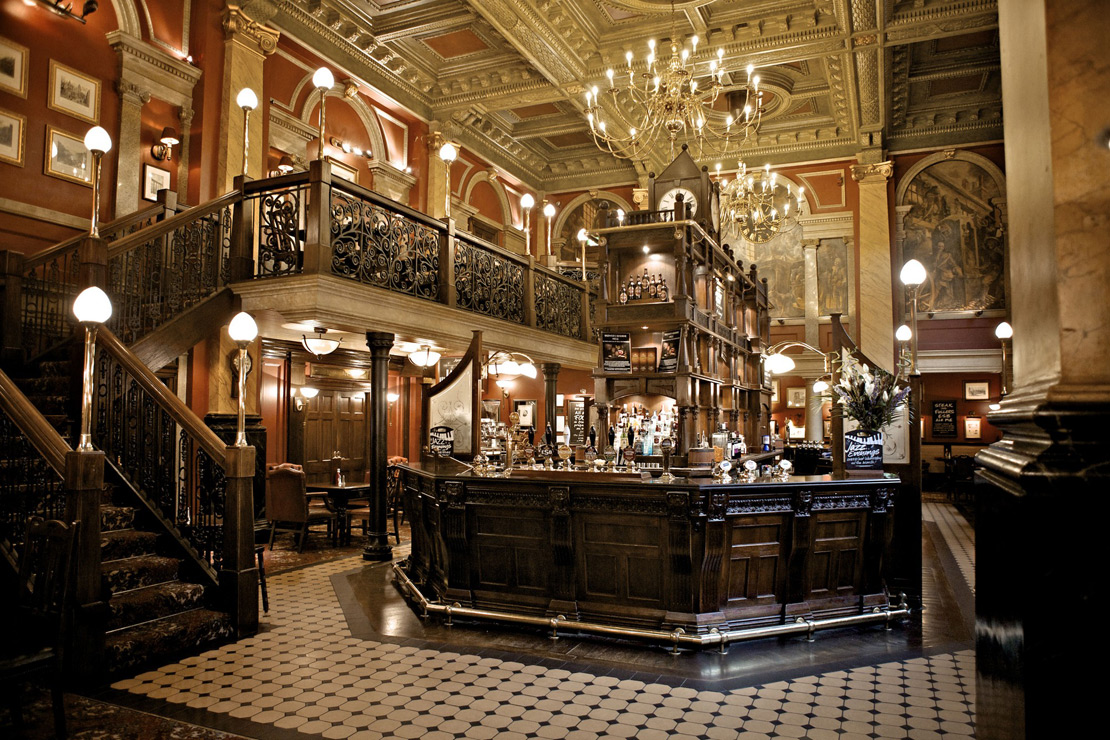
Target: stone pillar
{"type": "Point", "coordinates": [377, 545]}
{"type": "Point", "coordinates": [247, 43]}
{"type": "Point", "coordinates": [876, 308]}
{"type": "Point", "coordinates": [437, 177]}
{"type": "Point", "coordinates": [550, 377]}
{"type": "Point", "coordinates": [815, 427]}
{"type": "Point", "coordinates": [186, 117]}
{"type": "Point", "coordinates": [129, 154]}
{"type": "Point", "coordinates": [813, 334]}
{"type": "Point", "coordinates": [1038, 529]}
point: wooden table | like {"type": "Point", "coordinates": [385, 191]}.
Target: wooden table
{"type": "Point", "coordinates": [340, 497]}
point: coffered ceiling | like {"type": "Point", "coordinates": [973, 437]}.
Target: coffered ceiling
{"type": "Point", "coordinates": [506, 78]}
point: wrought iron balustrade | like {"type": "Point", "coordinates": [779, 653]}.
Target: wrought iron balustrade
{"type": "Point", "coordinates": [280, 212]}
{"type": "Point", "coordinates": [558, 305]}
{"type": "Point", "coordinates": [489, 282]}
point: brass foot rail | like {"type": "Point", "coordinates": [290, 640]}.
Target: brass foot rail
{"type": "Point", "coordinates": [677, 637]}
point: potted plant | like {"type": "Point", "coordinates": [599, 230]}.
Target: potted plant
{"type": "Point", "coordinates": [871, 398]}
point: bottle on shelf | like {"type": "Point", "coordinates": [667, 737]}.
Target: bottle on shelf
{"type": "Point", "coordinates": [623, 297]}
{"type": "Point", "coordinates": [653, 288]}
{"type": "Point", "coordinates": [637, 289]}
{"type": "Point", "coordinates": [663, 292]}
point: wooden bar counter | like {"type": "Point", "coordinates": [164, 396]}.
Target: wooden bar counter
{"type": "Point", "coordinates": [613, 549]}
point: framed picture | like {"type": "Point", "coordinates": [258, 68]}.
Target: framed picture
{"type": "Point", "coordinates": [12, 126]}
{"type": "Point", "coordinates": [73, 93]}
{"type": "Point", "coordinates": [67, 158]}
{"type": "Point", "coordinates": [344, 171]}
{"type": "Point", "coordinates": [775, 390]}
{"type": "Point", "coordinates": [13, 67]}
{"type": "Point", "coordinates": [973, 427]}
{"type": "Point", "coordinates": [976, 390]}
{"type": "Point", "coordinates": [558, 400]}
{"type": "Point", "coordinates": [796, 398]}
{"type": "Point", "coordinates": [491, 409]}
{"type": "Point", "coordinates": [526, 410]}
{"type": "Point", "coordinates": [154, 179]}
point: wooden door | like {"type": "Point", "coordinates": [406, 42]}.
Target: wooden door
{"type": "Point", "coordinates": [335, 421]}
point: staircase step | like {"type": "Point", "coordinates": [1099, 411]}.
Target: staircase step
{"type": "Point", "coordinates": [55, 367]}
{"type": "Point", "coordinates": [145, 570]}
{"type": "Point", "coordinates": [46, 384]}
{"type": "Point", "coordinates": [158, 641]}
{"type": "Point", "coordinates": [155, 602]}
{"type": "Point", "coordinates": [126, 543]}
{"type": "Point", "coordinates": [116, 517]}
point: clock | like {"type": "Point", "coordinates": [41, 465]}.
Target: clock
{"type": "Point", "coordinates": [666, 203]}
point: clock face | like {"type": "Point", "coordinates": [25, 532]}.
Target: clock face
{"type": "Point", "coordinates": [666, 203]}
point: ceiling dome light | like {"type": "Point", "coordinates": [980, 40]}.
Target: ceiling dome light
{"type": "Point", "coordinates": [424, 357]}
{"type": "Point", "coordinates": [320, 345]}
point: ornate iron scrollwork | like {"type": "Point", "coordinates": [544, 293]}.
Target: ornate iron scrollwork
{"type": "Point", "coordinates": [558, 306]}
{"type": "Point", "coordinates": [488, 283]}
{"type": "Point", "coordinates": [279, 232]}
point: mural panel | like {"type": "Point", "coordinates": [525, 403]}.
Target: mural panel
{"type": "Point", "coordinates": [781, 261]}
{"type": "Point", "coordinates": [955, 228]}
{"type": "Point", "coordinates": [832, 277]}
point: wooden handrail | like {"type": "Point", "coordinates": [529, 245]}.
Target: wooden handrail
{"type": "Point", "coordinates": [165, 227]}
{"type": "Point", "coordinates": [281, 182]}
{"type": "Point", "coordinates": [548, 272]}
{"type": "Point", "coordinates": [378, 199]}
{"type": "Point", "coordinates": [32, 423]}
{"type": "Point", "coordinates": [480, 243]}
{"type": "Point", "coordinates": [174, 406]}
{"type": "Point", "coordinates": [120, 223]}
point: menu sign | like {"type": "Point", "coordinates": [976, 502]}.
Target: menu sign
{"type": "Point", "coordinates": [668, 357]}
{"type": "Point", "coordinates": [616, 352]}
{"type": "Point", "coordinates": [944, 418]}
{"type": "Point", "coordinates": [577, 422]}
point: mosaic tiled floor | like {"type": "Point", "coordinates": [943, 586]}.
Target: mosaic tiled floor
{"type": "Point", "coordinates": [304, 674]}
{"type": "Point", "coordinates": [958, 536]}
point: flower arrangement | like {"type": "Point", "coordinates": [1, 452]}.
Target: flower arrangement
{"type": "Point", "coordinates": [870, 397]}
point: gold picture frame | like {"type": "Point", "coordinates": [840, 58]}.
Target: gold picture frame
{"type": "Point", "coordinates": [13, 130]}
{"type": "Point", "coordinates": [13, 67]}
{"type": "Point", "coordinates": [73, 93]}
{"type": "Point", "coordinates": [67, 158]}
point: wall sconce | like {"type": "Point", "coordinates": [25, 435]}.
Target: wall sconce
{"type": "Point", "coordinates": [163, 150]}
{"type": "Point", "coordinates": [248, 101]}
{"type": "Point", "coordinates": [448, 153]}
{"type": "Point", "coordinates": [320, 345]}
{"type": "Point", "coordinates": [549, 214]}
{"type": "Point", "coordinates": [349, 148]}
{"type": "Point", "coordinates": [903, 334]}
{"type": "Point", "coordinates": [504, 385]}
{"type": "Point", "coordinates": [285, 164]}
{"type": "Point", "coordinates": [303, 396]}
{"type": "Point", "coordinates": [66, 10]}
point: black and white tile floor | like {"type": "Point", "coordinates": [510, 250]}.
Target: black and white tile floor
{"type": "Point", "coordinates": [304, 674]}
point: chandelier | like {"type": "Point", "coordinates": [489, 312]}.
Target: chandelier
{"type": "Point", "coordinates": [666, 100]}
{"type": "Point", "coordinates": [758, 205]}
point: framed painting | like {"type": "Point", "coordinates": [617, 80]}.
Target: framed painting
{"type": "Point", "coordinates": [154, 179]}
{"type": "Point", "coordinates": [13, 67]}
{"type": "Point", "coordinates": [973, 427]}
{"type": "Point", "coordinates": [12, 127]}
{"type": "Point", "coordinates": [796, 398]}
{"type": "Point", "coordinates": [526, 410]}
{"type": "Point", "coordinates": [976, 390]}
{"type": "Point", "coordinates": [67, 158]}
{"type": "Point", "coordinates": [74, 93]}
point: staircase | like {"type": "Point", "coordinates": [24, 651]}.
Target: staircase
{"type": "Point", "coordinates": [159, 603]}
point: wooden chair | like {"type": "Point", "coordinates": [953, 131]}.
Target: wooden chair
{"type": "Point", "coordinates": [361, 514]}
{"type": "Point", "coordinates": [43, 606]}
{"type": "Point", "coordinates": [287, 504]}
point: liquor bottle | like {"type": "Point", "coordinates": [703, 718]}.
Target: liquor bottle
{"type": "Point", "coordinates": [653, 288]}
{"type": "Point", "coordinates": [623, 298]}
{"type": "Point", "coordinates": [663, 291]}
{"type": "Point", "coordinates": [645, 279]}
{"type": "Point", "coordinates": [638, 290]}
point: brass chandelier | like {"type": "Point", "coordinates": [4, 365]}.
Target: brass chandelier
{"type": "Point", "coordinates": [758, 205]}
{"type": "Point", "coordinates": [666, 100]}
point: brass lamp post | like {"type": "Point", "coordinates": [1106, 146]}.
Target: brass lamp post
{"type": "Point", "coordinates": [903, 334]}
{"type": "Point", "coordinates": [92, 308]}
{"type": "Point", "coordinates": [549, 214]}
{"type": "Point", "coordinates": [322, 80]}
{"type": "Point", "coordinates": [1004, 332]}
{"type": "Point", "coordinates": [912, 276]}
{"type": "Point", "coordinates": [248, 101]}
{"type": "Point", "coordinates": [242, 330]}
{"type": "Point", "coordinates": [526, 204]}
{"type": "Point", "coordinates": [448, 153]}
{"type": "Point", "coordinates": [99, 143]}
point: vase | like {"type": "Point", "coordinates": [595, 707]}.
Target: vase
{"type": "Point", "coordinates": [863, 450]}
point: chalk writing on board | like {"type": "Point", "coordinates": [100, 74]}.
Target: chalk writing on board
{"type": "Point", "coordinates": [944, 418]}
{"type": "Point", "coordinates": [577, 422]}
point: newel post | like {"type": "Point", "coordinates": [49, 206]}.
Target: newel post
{"type": "Point", "coordinates": [92, 256]}
{"type": "Point", "coordinates": [239, 572]}
{"type": "Point", "coordinates": [447, 294]}
{"type": "Point", "coordinates": [84, 482]}
{"type": "Point", "coordinates": [11, 306]}
{"type": "Point", "coordinates": [240, 258]}
{"type": "Point", "coordinates": [530, 292]}
{"type": "Point", "coordinates": [317, 245]}
{"type": "Point", "coordinates": [586, 330]}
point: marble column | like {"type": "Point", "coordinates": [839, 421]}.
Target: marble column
{"type": "Point", "coordinates": [129, 154]}
{"type": "Point", "coordinates": [247, 43]}
{"type": "Point", "coordinates": [813, 332]}
{"type": "Point", "coordinates": [436, 177]}
{"type": "Point", "coordinates": [377, 545]}
{"type": "Point", "coordinates": [876, 307]}
{"type": "Point", "coordinates": [186, 117]}
{"type": "Point", "coordinates": [815, 427]}
{"type": "Point", "coordinates": [1039, 534]}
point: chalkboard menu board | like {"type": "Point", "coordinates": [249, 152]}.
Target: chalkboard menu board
{"type": "Point", "coordinates": [863, 451]}
{"type": "Point", "coordinates": [577, 420]}
{"type": "Point", "coordinates": [944, 418]}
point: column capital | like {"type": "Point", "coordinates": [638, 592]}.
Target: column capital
{"type": "Point", "coordinates": [872, 173]}
{"type": "Point", "coordinates": [240, 27]}
{"type": "Point", "coordinates": [379, 342]}
{"type": "Point", "coordinates": [550, 369]}
{"type": "Point", "coordinates": [811, 243]}
{"type": "Point", "coordinates": [131, 93]}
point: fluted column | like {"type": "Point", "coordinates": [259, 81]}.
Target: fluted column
{"type": "Point", "coordinates": [876, 307]}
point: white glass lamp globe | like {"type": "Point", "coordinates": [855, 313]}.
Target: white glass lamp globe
{"type": "Point", "coordinates": [98, 140]}
{"type": "Point", "coordinates": [323, 79]}
{"type": "Point", "coordinates": [92, 306]}
{"type": "Point", "coordinates": [242, 328]}
{"type": "Point", "coordinates": [903, 334]}
{"type": "Point", "coordinates": [549, 210]}
{"type": "Point", "coordinates": [392, 397]}
{"type": "Point", "coordinates": [913, 273]}
{"type": "Point", "coordinates": [1004, 330]}
{"type": "Point", "coordinates": [448, 152]}
{"type": "Point", "coordinates": [820, 386]}
{"type": "Point", "coordinates": [527, 201]}
{"type": "Point", "coordinates": [778, 363]}
{"type": "Point", "coordinates": [309, 392]}
{"type": "Point", "coordinates": [424, 357]}
{"type": "Point", "coordinates": [247, 99]}
{"type": "Point", "coordinates": [583, 235]}
{"type": "Point", "coordinates": [528, 370]}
